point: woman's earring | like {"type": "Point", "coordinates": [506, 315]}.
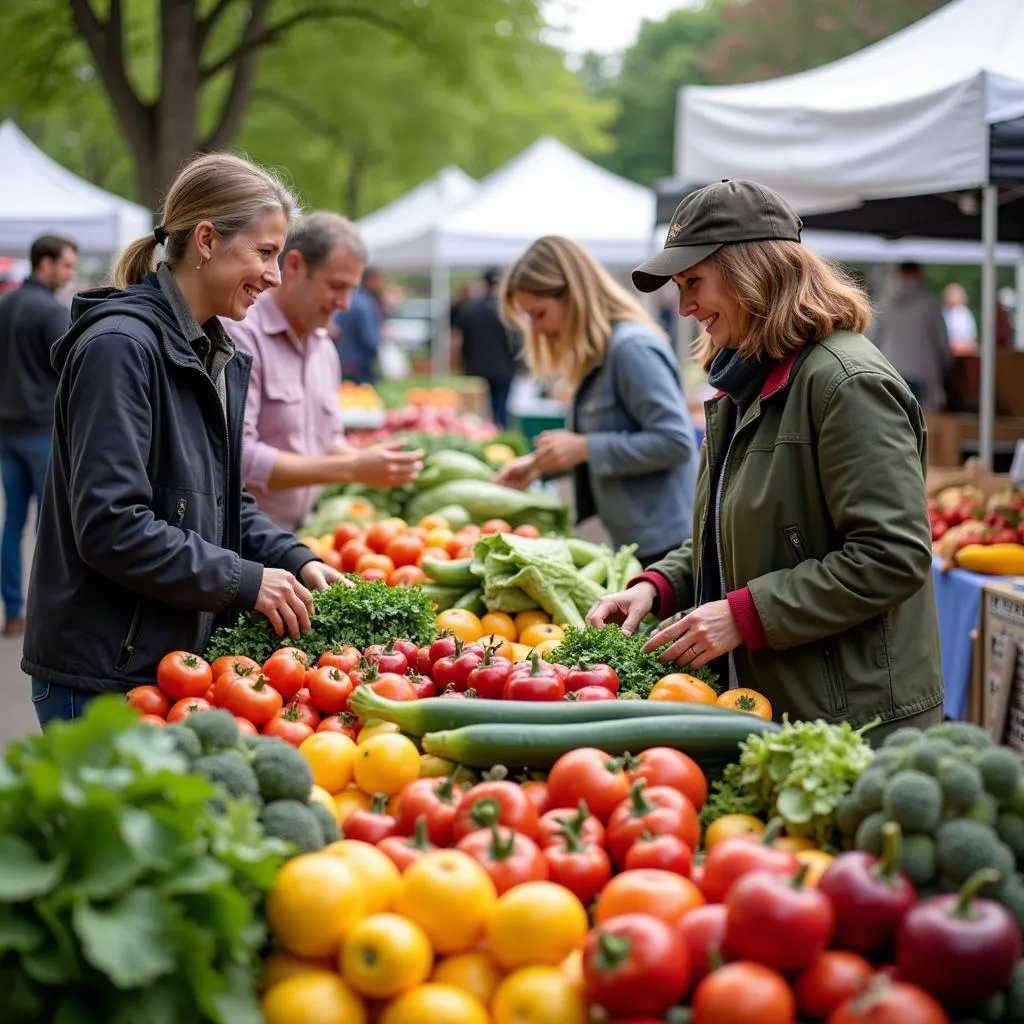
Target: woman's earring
{"type": "Point", "coordinates": [201, 263]}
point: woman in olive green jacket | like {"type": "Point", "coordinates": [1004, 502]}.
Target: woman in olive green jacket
{"type": "Point", "coordinates": [808, 574]}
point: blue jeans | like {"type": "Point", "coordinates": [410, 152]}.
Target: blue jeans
{"type": "Point", "coordinates": [23, 459]}
{"type": "Point", "coordinates": [53, 701]}
{"type": "Point", "coordinates": [500, 390]}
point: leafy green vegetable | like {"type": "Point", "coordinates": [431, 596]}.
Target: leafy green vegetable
{"type": "Point", "coordinates": [637, 671]}
{"type": "Point", "coordinates": [368, 613]}
{"type": "Point", "coordinates": [120, 885]}
{"type": "Point", "coordinates": [799, 774]}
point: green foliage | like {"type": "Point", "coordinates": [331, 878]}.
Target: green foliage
{"type": "Point", "coordinates": [121, 887]}
{"type": "Point", "coordinates": [366, 613]}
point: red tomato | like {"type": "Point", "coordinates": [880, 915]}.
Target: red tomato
{"type": "Point", "coordinates": [152, 720]}
{"type": "Point", "coordinates": [286, 672]}
{"type": "Point", "coordinates": [739, 855]}
{"type": "Point", "coordinates": [554, 823]}
{"type": "Point", "coordinates": [581, 867]}
{"type": "Point", "coordinates": [509, 857]}
{"type": "Point", "coordinates": [344, 532]}
{"type": "Point", "coordinates": [495, 803]}
{"type": "Point", "coordinates": [833, 977]}
{"type": "Point", "coordinates": [442, 647]}
{"type": "Point", "coordinates": [185, 707]}
{"type": "Point", "coordinates": [454, 670]}
{"type": "Point", "coordinates": [423, 685]}
{"type": "Point", "coordinates": [344, 659]}
{"type": "Point", "coordinates": [383, 532]}
{"type": "Point", "coordinates": [488, 679]}
{"type": "Point", "coordinates": [658, 810]}
{"type": "Point", "coordinates": [776, 921]}
{"type": "Point", "coordinates": [405, 549]}
{"type": "Point", "coordinates": [245, 727]}
{"type": "Point", "coordinates": [149, 700]}
{"type": "Point", "coordinates": [254, 698]}
{"type": "Point", "coordinates": [373, 575]}
{"type": "Point", "coordinates": [665, 852]}
{"type": "Point", "coordinates": [663, 766]}
{"type": "Point", "coordinates": [329, 689]}
{"type": "Point", "coordinates": [744, 991]}
{"type": "Point", "coordinates": [406, 850]}
{"type": "Point", "coordinates": [344, 722]}
{"type": "Point", "coordinates": [434, 800]}
{"type": "Point", "coordinates": [890, 1003]}
{"type": "Point", "coordinates": [352, 551]}
{"type": "Point", "coordinates": [372, 824]}
{"type": "Point", "coordinates": [286, 725]}
{"type": "Point", "coordinates": [590, 693]}
{"type": "Point", "coordinates": [592, 675]}
{"type": "Point", "coordinates": [495, 526]}
{"type": "Point", "coordinates": [527, 530]}
{"type": "Point", "coordinates": [235, 663]}
{"type": "Point", "coordinates": [393, 687]}
{"type": "Point", "coordinates": [538, 794]}
{"type": "Point", "coordinates": [590, 775]}
{"type": "Point", "coordinates": [182, 674]}
{"type": "Point", "coordinates": [225, 681]}
{"type": "Point", "coordinates": [304, 710]}
{"type": "Point", "coordinates": [407, 576]}
{"type": "Point", "coordinates": [541, 682]}
{"type": "Point", "coordinates": [703, 931]}
{"type": "Point", "coordinates": [635, 964]}
{"type": "Point", "coordinates": [387, 658]}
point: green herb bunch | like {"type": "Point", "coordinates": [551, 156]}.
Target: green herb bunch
{"type": "Point", "coordinates": [130, 890]}
{"type": "Point", "coordinates": [368, 613]}
{"type": "Point", "coordinates": [637, 671]}
{"type": "Point", "coordinates": [799, 774]}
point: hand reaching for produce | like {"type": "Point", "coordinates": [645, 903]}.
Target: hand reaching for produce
{"type": "Point", "coordinates": [381, 465]}
{"type": "Point", "coordinates": [626, 608]}
{"type": "Point", "coordinates": [519, 473]}
{"type": "Point", "coordinates": [319, 576]}
{"type": "Point", "coordinates": [559, 451]}
{"type": "Point", "coordinates": [285, 602]}
{"type": "Point", "coordinates": [706, 633]}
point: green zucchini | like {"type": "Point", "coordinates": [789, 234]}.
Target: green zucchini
{"type": "Point", "coordinates": [434, 714]}
{"type": "Point", "coordinates": [443, 597]}
{"type": "Point", "coordinates": [454, 573]}
{"type": "Point", "coordinates": [709, 740]}
{"type": "Point", "coordinates": [472, 601]}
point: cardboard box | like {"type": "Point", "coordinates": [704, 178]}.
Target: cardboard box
{"type": "Point", "coordinates": [1002, 630]}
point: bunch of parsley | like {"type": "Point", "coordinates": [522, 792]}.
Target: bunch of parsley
{"type": "Point", "coordinates": [368, 613]}
{"type": "Point", "coordinates": [120, 886]}
{"type": "Point", "coordinates": [637, 671]}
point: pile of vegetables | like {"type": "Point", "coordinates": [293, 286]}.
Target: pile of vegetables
{"type": "Point", "coordinates": [984, 535]}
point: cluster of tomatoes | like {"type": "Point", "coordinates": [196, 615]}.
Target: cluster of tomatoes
{"type": "Point", "coordinates": [393, 551]}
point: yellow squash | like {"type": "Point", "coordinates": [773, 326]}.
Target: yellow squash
{"type": "Point", "coordinates": [992, 559]}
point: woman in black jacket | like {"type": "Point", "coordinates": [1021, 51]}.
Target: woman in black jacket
{"type": "Point", "coordinates": [145, 532]}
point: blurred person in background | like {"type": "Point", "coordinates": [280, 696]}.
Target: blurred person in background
{"type": "Point", "coordinates": [910, 332]}
{"type": "Point", "coordinates": [629, 442]}
{"type": "Point", "coordinates": [31, 320]}
{"type": "Point", "coordinates": [357, 329]}
{"type": "Point", "coordinates": [488, 347]}
{"type": "Point", "coordinates": [146, 533]}
{"type": "Point", "coordinates": [961, 326]}
{"type": "Point", "coordinates": [294, 442]}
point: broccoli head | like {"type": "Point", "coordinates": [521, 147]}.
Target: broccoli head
{"type": "Point", "coordinates": [961, 785]}
{"type": "Point", "coordinates": [1001, 771]}
{"type": "Point", "coordinates": [217, 729]}
{"type": "Point", "coordinates": [328, 822]}
{"type": "Point", "coordinates": [913, 800]}
{"type": "Point", "coordinates": [295, 823]}
{"type": "Point", "coordinates": [230, 769]}
{"type": "Point", "coordinates": [185, 740]}
{"type": "Point", "coordinates": [964, 847]}
{"type": "Point", "coordinates": [283, 773]}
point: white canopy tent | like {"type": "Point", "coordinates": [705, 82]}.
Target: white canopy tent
{"type": "Point", "coordinates": [935, 109]}
{"type": "Point", "coordinates": [37, 196]}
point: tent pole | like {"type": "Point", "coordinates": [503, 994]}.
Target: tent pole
{"type": "Point", "coordinates": [440, 311]}
{"type": "Point", "coordinates": [987, 397]}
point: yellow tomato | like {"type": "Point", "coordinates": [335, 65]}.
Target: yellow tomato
{"type": "Point", "coordinates": [385, 955]}
{"type": "Point", "coordinates": [386, 764]}
{"type": "Point", "coordinates": [435, 1004]}
{"type": "Point", "coordinates": [794, 844]}
{"type": "Point", "coordinates": [434, 522]}
{"type": "Point", "coordinates": [315, 902]}
{"type": "Point", "coordinates": [500, 646]}
{"type": "Point", "coordinates": [538, 995]}
{"type": "Point", "coordinates": [520, 652]}
{"type": "Point", "coordinates": [535, 618]}
{"type": "Point", "coordinates": [330, 756]}
{"type": "Point", "coordinates": [572, 968]}
{"type": "Point", "coordinates": [360, 508]}
{"type": "Point", "coordinates": [750, 701]}
{"type": "Point", "coordinates": [680, 686]}
{"type": "Point", "coordinates": [501, 624]}
{"type": "Point", "coordinates": [818, 862]}
{"type": "Point", "coordinates": [536, 923]}
{"type": "Point", "coordinates": [732, 825]}
{"type": "Point", "coordinates": [375, 870]}
{"type": "Point", "coordinates": [473, 972]}
{"type": "Point", "coordinates": [438, 883]}
{"type": "Point", "coordinates": [537, 634]}
{"type": "Point", "coordinates": [375, 727]}
{"type": "Point", "coordinates": [349, 800]}
{"type": "Point", "coordinates": [542, 650]}
{"type": "Point", "coordinates": [280, 967]}
{"type": "Point", "coordinates": [315, 998]}
{"type": "Point", "coordinates": [464, 624]}
{"type": "Point", "coordinates": [319, 795]}
{"type": "Point", "coordinates": [438, 537]}
{"type": "Point", "coordinates": [434, 767]}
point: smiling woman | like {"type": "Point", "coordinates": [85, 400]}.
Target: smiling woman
{"type": "Point", "coordinates": [145, 532]}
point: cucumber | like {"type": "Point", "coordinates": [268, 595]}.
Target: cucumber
{"type": "Point", "coordinates": [442, 596]}
{"type": "Point", "coordinates": [454, 573]}
{"type": "Point", "coordinates": [472, 601]}
{"type": "Point", "coordinates": [434, 714]}
{"type": "Point", "coordinates": [709, 740]}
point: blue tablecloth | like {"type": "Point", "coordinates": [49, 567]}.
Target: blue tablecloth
{"type": "Point", "coordinates": [958, 599]}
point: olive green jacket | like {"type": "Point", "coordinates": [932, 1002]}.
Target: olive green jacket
{"type": "Point", "coordinates": [824, 537]}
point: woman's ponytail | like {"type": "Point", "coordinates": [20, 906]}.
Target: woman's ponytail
{"type": "Point", "coordinates": [135, 262]}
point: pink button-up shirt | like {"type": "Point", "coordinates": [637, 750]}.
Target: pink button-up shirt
{"type": "Point", "coordinates": [292, 405]}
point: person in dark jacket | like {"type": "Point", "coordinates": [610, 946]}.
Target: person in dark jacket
{"type": "Point", "coordinates": [31, 320]}
{"type": "Point", "coordinates": [146, 535]}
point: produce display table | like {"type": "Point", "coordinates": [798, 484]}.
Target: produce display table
{"type": "Point", "coordinates": [958, 600]}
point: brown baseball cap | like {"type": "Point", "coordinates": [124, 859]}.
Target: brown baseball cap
{"type": "Point", "coordinates": [713, 216]}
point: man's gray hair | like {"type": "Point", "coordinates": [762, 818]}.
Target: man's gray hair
{"type": "Point", "coordinates": [317, 234]}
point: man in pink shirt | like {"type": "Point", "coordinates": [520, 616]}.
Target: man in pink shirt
{"type": "Point", "coordinates": [294, 441]}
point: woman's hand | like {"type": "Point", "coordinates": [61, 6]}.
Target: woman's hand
{"type": "Point", "coordinates": [701, 636]}
{"type": "Point", "coordinates": [519, 473]}
{"type": "Point", "coordinates": [319, 576]}
{"type": "Point", "coordinates": [627, 608]}
{"type": "Point", "coordinates": [285, 602]}
{"type": "Point", "coordinates": [559, 451]}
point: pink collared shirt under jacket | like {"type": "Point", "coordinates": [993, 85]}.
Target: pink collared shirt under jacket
{"type": "Point", "coordinates": [292, 404]}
